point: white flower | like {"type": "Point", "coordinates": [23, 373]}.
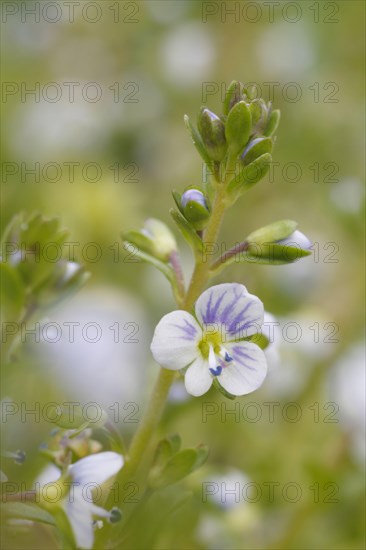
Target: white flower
{"type": "Point", "coordinates": [347, 390]}
{"type": "Point", "coordinates": [212, 343]}
{"type": "Point", "coordinates": [91, 471]}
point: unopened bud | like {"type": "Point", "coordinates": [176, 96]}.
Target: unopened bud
{"type": "Point", "coordinates": [194, 207]}
{"type": "Point", "coordinates": [233, 95]}
{"type": "Point", "coordinates": [155, 238]}
{"type": "Point", "coordinates": [256, 148]}
{"type": "Point", "coordinates": [238, 127]}
{"type": "Point", "coordinates": [273, 232]}
{"type": "Point", "coordinates": [212, 131]}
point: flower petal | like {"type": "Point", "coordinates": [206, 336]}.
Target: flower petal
{"type": "Point", "coordinates": [96, 468]}
{"type": "Point", "coordinates": [236, 312]}
{"type": "Point", "coordinates": [175, 340]}
{"type": "Point", "coordinates": [247, 370]}
{"type": "Point", "coordinates": [198, 379]}
{"type": "Point", "coordinates": [80, 516]}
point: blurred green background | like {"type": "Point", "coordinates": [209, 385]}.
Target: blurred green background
{"type": "Point", "coordinates": [112, 83]}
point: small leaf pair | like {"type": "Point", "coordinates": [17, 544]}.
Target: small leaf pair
{"type": "Point", "coordinates": [172, 464]}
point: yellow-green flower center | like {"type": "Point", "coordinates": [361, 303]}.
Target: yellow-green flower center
{"type": "Point", "coordinates": [212, 339]}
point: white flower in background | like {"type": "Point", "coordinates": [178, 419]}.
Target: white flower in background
{"type": "Point", "coordinates": [271, 331]}
{"type": "Point", "coordinates": [347, 389]}
{"type": "Point", "coordinates": [232, 492]}
{"type": "Point", "coordinates": [276, 58]}
{"type": "Point", "coordinates": [212, 343]}
{"type": "Point", "coordinates": [348, 195]}
{"type": "Point", "coordinates": [226, 490]}
{"type": "Point", "coordinates": [75, 499]}
{"type": "Point", "coordinates": [187, 54]}
{"type": "Point", "coordinates": [110, 329]}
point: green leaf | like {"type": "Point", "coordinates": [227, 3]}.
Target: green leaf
{"type": "Point", "coordinates": [197, 141]}
{"type": "Point", "coordinates": [187, 231]}
{"type": "Point", "coordinates": [178, 200]}
{"type": "Point", "coordinates": [238, 127]}
{"type": "Point", "coordinates": [202, 452]}
{"type": "Point", "coordinates": [255, 149]}
{"type": "Point", "coordinates": [10, 229]}
{"type": "Point", "coordinates": [249, 176]}
{"type": "Point", "coordinates": [273, 123]}
{"type": "Point", "coordinates": [175, 442]}
{"type": "Point", "coordinates": [275, 254]}
{"type": "Point", "coordinates": [180, 465]}
{"type": "Point", "coordinates": [165, 449]}
{"type": "Point", "coordinates": [155, 238]}
{"type": "Point", "coordinates": [140, 240]}
{"type": "Point", "coordinates": [12, 293]}
{"type": "Point", "coordinates": [144, 257]}
{"type": "Point", "coordinates": [30, 512]}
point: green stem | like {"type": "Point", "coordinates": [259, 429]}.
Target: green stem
{"type": "Point", "coordinates": [201, 272]}
{"type": "Point", "coordinates": [199, 280]}
{"type": "Point", "coordinates": [149, 422]}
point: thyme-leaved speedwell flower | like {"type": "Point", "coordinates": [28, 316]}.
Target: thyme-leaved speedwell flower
{"type": "Point", "coordinates": [214, 344]}
{"type": "Point", "coordinates": [67, 497]}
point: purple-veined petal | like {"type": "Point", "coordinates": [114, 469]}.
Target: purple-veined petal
{"type": "Point", "coordinates": [198, 379]}
{"type": "Point", "coordinates": [96, 468]}
{"type": "Point", "coordinates": [175, 340]}
{"type": "Point", "coordinates": [247, 370]}
{"type": "Point", "coordinates": [236, 313]}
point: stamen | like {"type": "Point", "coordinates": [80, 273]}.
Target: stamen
{"type": "Point", "coordinates": [115, 515]}
{"type": "Point", "coordinates": [225, 355]}
{"type": "Point", "coordinates": [217, 371]}
{"type": "Point", "coordinates": [212, 358]}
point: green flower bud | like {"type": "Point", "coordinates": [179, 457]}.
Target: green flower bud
{"type": "Point", "coordinates": [255, 149]}
{"type": "Point", "coordinates": [259, 111]}
{"type": "Point", "coordinates": [234, 94]}
{"type": "Point", "coordinates": [194, 207]}
{"type": "Point", "coordinates": [238, 127]}
{"type": "Point", "coordinates": [162, 237]}
{"type": "Point", "coordinates": [278, 243]}
{"type": "Point", "coordinates": [272, 123]}
{"type": "Point", "coordinates": [155, 238]}
{"type": "Point", "coordinates": [273, 232]}
{"type": "Point", "coordinates": [248, 176]}
{"type": "Point", "coordinates": [212, 131]}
